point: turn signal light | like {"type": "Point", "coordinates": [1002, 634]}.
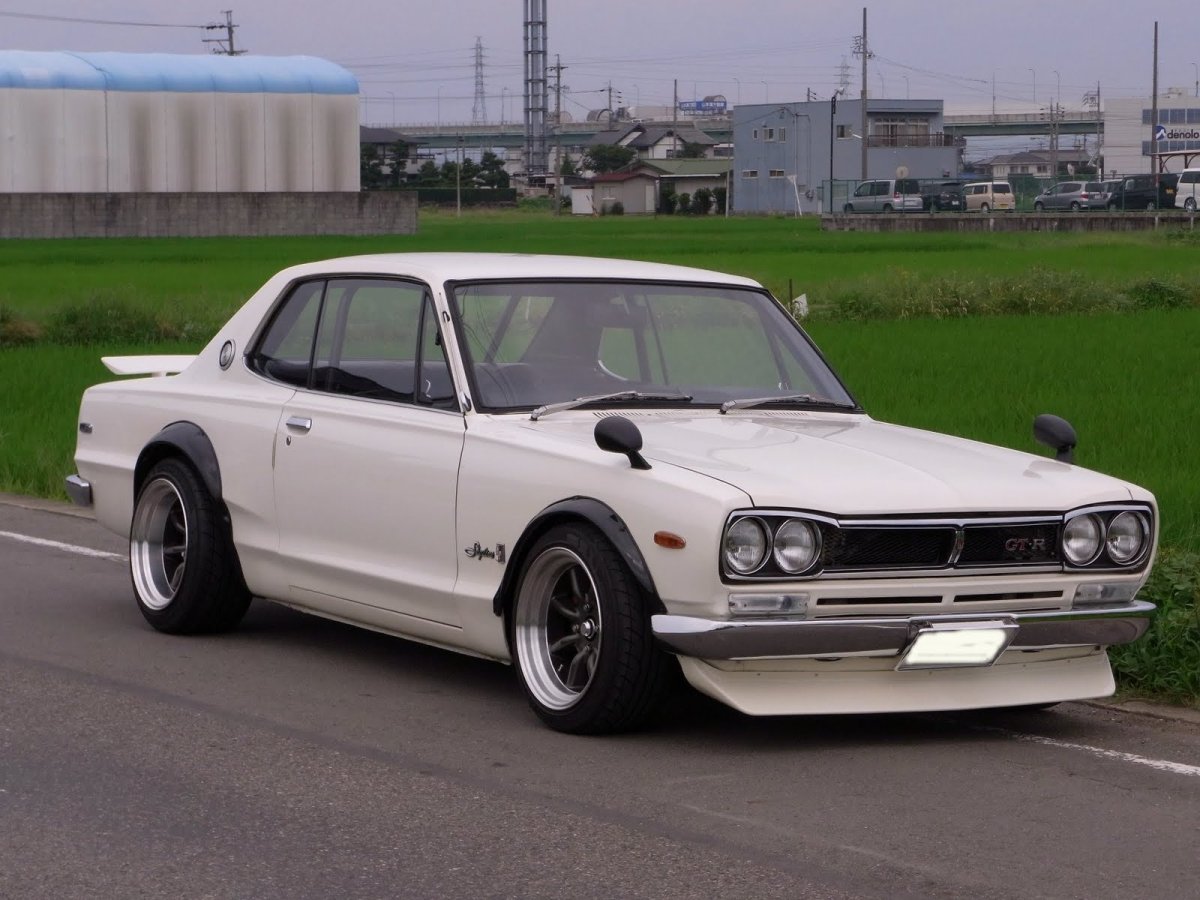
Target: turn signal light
{"type": "Point", "coordinates": [669, 540]}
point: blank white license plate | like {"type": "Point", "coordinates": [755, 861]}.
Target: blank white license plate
{"type": "Point", "coordinates": [958, 644]}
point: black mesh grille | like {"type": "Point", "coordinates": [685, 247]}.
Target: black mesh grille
{"type": "Point", "coordinates": [1006, 545]}
{"type": "Point", "coordinates": [884, 548]}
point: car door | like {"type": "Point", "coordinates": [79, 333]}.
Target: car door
{"type": "Point", "coordinates": [367, 457]}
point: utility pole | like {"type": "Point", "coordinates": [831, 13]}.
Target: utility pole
{"type": "Point", "coordinates": [224, 45]}
{"type": "Point", "coordinates": [558, 176]}
{"type": "Point", "coordinates": [863, 49]}
{"type": "Point", "coordinates": [1154, 118]}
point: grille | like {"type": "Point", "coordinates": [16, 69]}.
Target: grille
{"type": "Point", "coordinates": [1007, 545]}
{"type": "Point", "coordinates": [875, 548]}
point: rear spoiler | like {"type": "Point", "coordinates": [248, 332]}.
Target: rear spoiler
{"type": "Point", "coordinates": [146, 365]}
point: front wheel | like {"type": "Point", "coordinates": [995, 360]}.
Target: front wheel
{"type": "Point", "coordinates": [585, 653]}
{"type": "Point", "coordinates": [185, 571]}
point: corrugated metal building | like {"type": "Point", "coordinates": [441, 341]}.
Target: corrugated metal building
{"type": "Point", "coordinates": [119, 122]}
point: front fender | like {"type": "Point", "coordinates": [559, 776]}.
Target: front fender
{"type": "Point", "coordinates": [574, 509]}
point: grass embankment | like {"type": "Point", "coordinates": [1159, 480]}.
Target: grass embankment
{"type": "Point", "coordinates": [968, 334]}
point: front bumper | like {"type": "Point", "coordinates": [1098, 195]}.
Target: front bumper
{"type": "Point", "coordinates": [772, 638]}
{"type": "Point", "coordinates": [79, 490]}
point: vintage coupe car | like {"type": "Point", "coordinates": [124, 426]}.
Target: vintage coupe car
{"type": "Point", "coordinates": [605, 471]}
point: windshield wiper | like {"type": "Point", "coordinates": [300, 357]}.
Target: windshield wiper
{"type": "Point", "coordinates": [803, 399]}
{"type": "Point", "coordinates": [622, 396]}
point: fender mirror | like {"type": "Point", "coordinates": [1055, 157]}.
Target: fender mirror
{"type": "Point", "coordinates": [616, 434]}
{"type": "Point", "coordinates": [1056, 432]}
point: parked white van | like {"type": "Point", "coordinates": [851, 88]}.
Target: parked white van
{"type": "Point", "coordinates": [1187, 191]}
{"type": "Point", "coordinates": [985, 196]}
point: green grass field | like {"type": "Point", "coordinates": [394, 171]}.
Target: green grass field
{"type": "Point", "coordinates": [923, 329]}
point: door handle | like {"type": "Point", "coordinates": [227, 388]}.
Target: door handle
{"type": "Point", "coordinates": [299, 423]}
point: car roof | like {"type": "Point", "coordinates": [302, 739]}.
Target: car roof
{"type": "Point", "coordinates": [436, 268]}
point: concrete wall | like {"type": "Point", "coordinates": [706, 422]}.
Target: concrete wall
{"type": "Point", "coordinates": [54, 215]}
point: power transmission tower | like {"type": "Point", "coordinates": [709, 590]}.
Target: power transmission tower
{"type": "Point", "coordinates": [224, 45]}
{"type": "Point", "coordinates": [557, 68]}
{"type": "Point", "coordinates": [536, 99]}
{"type": "Point", "coordinates": [843, 76]}
{"type": "Point", "coordinates": [479, 109]}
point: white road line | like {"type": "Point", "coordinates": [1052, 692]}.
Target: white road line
{"type": "Point", "coordinates": [59, 545]}
{"type": "Point", "coordinates": [1163, 765]}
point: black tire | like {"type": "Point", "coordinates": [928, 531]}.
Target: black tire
{"type": "Point", "coordinates": [1151, 205]}
{"type": "Point", "coordinates": [985, 208]}
{"type": "Point", "coordinates": [1039, 207]}
{"type": "Point", "coordinates": [185, 571]}
{"type": "Point", "coordinates": [1112, 207]}
{"type": "Point", "coordinates": [887, 207]}
{"type": "Point", "coordinates": [580, 628]}
{"type": "Point", "coordinates": [1189, 205]}
{"type": "Point", "coordinates": [848, 208]}
{"type": "Point", "coordinates": [1074, 206]}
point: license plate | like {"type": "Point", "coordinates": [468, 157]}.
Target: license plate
{"type": "Point", "coordinates": [958, 645]}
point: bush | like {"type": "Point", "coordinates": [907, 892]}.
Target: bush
{"type": "Point", "coordinates": [1154, 293]}
{"type": "Point", "coordinates": [667, 201]}
{"type": "Point", "coordinates": [702, 202]}
{"type": "Point", "coordinates": [685, 204]}
{"type": "Point", "coordinates": [107, 319]}
{"type": "Point", "coordinates": [721, 196]}
{"type": "Point", "coordinates": [1166, 662]}
{"type": "Point", "coordinates": [15, 331]}
{"type": "Point", "coordinates": [617, 209]}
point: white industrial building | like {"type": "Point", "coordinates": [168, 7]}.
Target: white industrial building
{"type": "Point", "coordinates": [124, 122]}
{"type": "Point", "coordinates": [1128, 131]}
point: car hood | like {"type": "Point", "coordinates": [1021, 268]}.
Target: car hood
{"type": "Point", "coordinates": [851, 464]}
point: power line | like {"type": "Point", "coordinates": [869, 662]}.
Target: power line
{"type": "Point", "coordinates": [75, 19]}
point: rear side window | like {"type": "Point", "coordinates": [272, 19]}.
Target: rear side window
{"type": "Point", "coordinates": [908, 186]}
{"type": "Point", "coordinates": [1001, 187]}
{"type": "Point", "coordinates": [285, 349]}
{"type": "Point", "coordinates": [1191, 176]}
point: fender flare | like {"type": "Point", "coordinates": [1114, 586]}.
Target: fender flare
{"type": "Point", "coordinates": [185, 439]}
{"type": "Point", "coordinates": [575, 509]}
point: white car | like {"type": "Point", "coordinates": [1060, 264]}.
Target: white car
{"type": "Point", "coordinates": [599, 470]}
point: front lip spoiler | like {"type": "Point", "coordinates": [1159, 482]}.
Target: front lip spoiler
{"type": "Point", "coordinates": [773, 638]}
{"type": "Point", "coordinates": [79, 490]}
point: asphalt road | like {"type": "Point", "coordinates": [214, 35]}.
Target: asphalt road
{"type": "Point", "coordinates": [298, 758]}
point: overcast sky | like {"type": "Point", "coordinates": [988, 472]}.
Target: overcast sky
{"type": "Point", "coordinates": [418, 57]}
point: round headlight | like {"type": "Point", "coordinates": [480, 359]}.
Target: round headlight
{"type": "Point", "coordinates": [1081, 539]}
{"type": "Point", "coordinates": [1126, 538]}
{"type": "Point", "coordinates": [745, 545]}
{"type": "Point", "coordinates": [797, 546]}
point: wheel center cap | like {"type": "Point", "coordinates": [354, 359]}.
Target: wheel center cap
{"type": "Point", "coordinates": [588, 629]}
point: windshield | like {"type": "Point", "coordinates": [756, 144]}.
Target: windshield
{"type": "Point", "coordinates": [529, 344]}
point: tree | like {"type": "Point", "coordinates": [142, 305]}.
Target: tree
{"type": "Point", "coordinates": [667, 200]}
{"type": "Point", "coordinates": [702, 202]}
{"type": "Point", "coordinates": [568, 166]}
{"type": "Point", "coordinates": [370, 168]}
{"type": "Point", "coordinates": [428, 174]}
{"type": "Point", "coordinates": [691, 151]}
{"type": "Point", "coordinates": [608, 158]}
{"type": "Point", "coordinates": [491, 171]}
{"type": "Point", "coordinates": [721, 195]}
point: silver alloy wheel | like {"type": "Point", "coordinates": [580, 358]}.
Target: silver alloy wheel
{"type": "Point", "coordinates": [557, 628]}
{"type": "Point", "coordinates": [158, 543]}
{"type": "Point", "coordinates": [1190, 204]}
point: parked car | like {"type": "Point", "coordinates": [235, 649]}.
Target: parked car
{"type": "Point", "coordinates": [985, 196]}
{"type": "Point", "coordinates": [885, 196]}
{"type": "Point", "coordinates": [1187, 190]}
{"type": "Point", "coordinates": [1138, 192]}
{"type": "Point", "coordinates": [937, 196]}
{"type": "Point", "coordinates": [1072, 195]}
{"type": "Point", "coordinates": [600, 471]}
{"type": "Point", "coordinates": [1106, 192]}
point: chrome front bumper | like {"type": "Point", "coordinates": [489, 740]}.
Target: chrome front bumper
{"type": "Point", "coordinates": [768, 638]}
{"type": "Point", "coordinates": [79, 490]}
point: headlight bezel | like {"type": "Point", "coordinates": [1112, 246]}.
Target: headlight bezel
{"type": "Point", "coordinates": [1104, 559]}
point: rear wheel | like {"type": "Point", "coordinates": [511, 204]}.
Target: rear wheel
{"type": "Point", "coordinates": [887, 207]}
{"type": "Point", "coordinates": [1190, 204]}
{"type": "Point", "coordinates": [1150, 205]}
{"type": "Point", "coordinates": [186, 576]}
{"type": "Point", "coordinates": [585, 653]}
{"type": "Point", "coordinates": [1074, 206]}
{"type": "Point", "coordinates": [1039, 207]}
{"type": "Point", "coordinates": [985, 209]}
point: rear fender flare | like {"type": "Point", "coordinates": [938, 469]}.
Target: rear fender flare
{"type": "Point", "coordinates": [185, 439]}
